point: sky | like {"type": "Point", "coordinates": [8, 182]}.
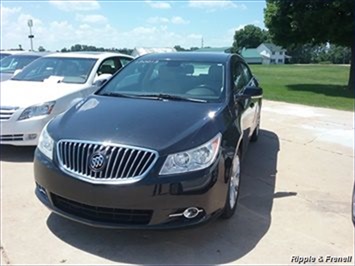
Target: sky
{"type": "Point", "coordinates": [126, 24]}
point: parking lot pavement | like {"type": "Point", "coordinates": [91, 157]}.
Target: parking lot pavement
{"type": "Point", "coordinates": [295, 201]}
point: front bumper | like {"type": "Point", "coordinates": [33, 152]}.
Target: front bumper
{"type": "Point", "coordinates": [24, 132]}
{"type": "Point", "coordinates": [144, 204]}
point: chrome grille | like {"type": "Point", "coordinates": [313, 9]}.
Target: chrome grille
{"type": "Point", "coordinates": [122, 164]}
{"type": "Point", "coordinates": [7, 112]}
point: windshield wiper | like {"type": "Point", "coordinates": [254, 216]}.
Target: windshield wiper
{"type": "Point", "coordinates": [115, 94]}
{"type": "Point", "coordinates": [163, 96]}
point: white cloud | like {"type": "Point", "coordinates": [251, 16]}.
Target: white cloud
{"type": "Point", "coordinates": [256, 22]}
{"type": "Point", "coordinates": [179, 20]}
{"type": "Point", "coordinates": [158, 37]}
{"type": "Point", "coordinates": [77, 5]}
{"type": "Point", "coordinates": [241, 26]}
{"type": "Point", "coordinates": [164, 20]}
{"type": "Point", "coordinates": [7, 13]}
{"type": "Point", "coordinates": [92, 19]}
{"type": "Point", "coordinates": [158, 4]}
{"type": "Point", "coordinates": [158, 20]}
{"type": "Point", "coordinates": [144, 30]}
{"type": "Point", "coordinates": [57, 34]}
{"type": "Point", "coordinates": [215, 4]}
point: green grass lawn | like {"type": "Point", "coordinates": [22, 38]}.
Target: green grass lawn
{"type": "Point", "coordinates": [315, 85]}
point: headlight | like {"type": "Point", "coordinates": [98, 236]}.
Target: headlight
{"type": "Point", "coordinates": [192, 160]}
{"type": "Point", "coordinates": [37, 110]}
{"type": "Point", "coordinates": [46, 143]}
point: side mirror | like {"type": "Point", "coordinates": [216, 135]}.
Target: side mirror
{"type": "Point", "coordinates": [253, 91]}
{"type": "Point", "coordinates": [100, 80]}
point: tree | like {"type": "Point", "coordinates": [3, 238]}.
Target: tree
{"type": "Point", "coordinates": [338, 54]}
{"type": "Point", "coordinates": [83, 47]}
{"type": "Point", "coordinates": [249, 37]}
{"type": "Point", "coordinates": [179, 48]}
{"type": "Point", "coordinates": [41, 49]}
{"type": "Point", "coordinates": [313, 21]}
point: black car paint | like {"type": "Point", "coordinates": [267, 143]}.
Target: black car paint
{"type": "Point", "coordinates": [166, 127]}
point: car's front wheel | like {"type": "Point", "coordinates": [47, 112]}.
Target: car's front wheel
{"type": "Point", "coordinates": [233, 188]}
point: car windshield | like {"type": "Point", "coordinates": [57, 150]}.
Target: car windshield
{"type": "Point", "coordinates": [60, 69]}
{"type": "Point", "coordinates": [10, 63]}
{"type": "Point", "coordinates": [196, 80]}
{"type": "Point", "coordinates": [3, 55]}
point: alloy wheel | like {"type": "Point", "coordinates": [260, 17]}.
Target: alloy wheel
{"type": "Point", "coordinates": [234, 182]}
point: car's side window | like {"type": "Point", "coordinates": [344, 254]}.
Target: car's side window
{"type": "Point", "coordinates": [247, 74]}
{"type": "Point", "coordinates": [110, 66]}
{"type": "Point", "coordinates": [240, 79]}
{"type": "Point", "coordinates": [125, 61]}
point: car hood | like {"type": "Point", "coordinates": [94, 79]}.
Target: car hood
{"type": "Point", "coordinates": [152, 124]}
{"type": "Point", "coordinates": [26, 93]}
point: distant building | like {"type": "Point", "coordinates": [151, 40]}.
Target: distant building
{"type": "Point", "coordinates": [251, 56]}
{"type": "Point", "coordinates": [138, 51]}
{"type": "Point", "coordinates": [272, 54]}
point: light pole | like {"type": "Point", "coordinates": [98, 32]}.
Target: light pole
{"type": "Point", "coordinates": [31, 36]}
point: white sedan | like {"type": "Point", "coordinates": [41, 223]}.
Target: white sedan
{"type": "Point", "coordinates": [48, 87]}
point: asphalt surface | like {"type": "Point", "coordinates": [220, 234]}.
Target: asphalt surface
{"type": "Point", "coordinates": [295, 201]}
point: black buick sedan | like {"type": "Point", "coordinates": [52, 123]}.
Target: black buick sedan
{"type": "Point", "coordinates": [158, 146]}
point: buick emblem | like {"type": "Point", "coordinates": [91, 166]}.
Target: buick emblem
{"type": "Point", "coordinates": [97, 161]}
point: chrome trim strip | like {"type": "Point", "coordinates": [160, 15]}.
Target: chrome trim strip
{"type": "Point", "coordinates": [110, 181]}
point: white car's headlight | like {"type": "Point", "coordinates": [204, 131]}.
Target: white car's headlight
{"type": "Point", "coordinates": [46, 143]}
{"type": "Point", "coordinates": [194, 159]}
{"type": "Point", "coordinates": [37, 110]}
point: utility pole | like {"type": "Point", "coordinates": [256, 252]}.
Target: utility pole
{"type": "Point", "coordinates": [31, 36]}
{"type": "Point", "coordinates": [202, 42]}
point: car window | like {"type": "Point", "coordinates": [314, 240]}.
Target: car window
{"type": "Point", "coordinates": [11, 63]}
{"type": "Point", "coordinates": [61, 69]}
{"type": "Point", "coordinates": [247, 74]}
{"type": "Point", "coordinates": [3, 55]}
{"type": "Point", "coordinates": [125, 61]}
{"type": "Point", "coordinates": [240, 78]}
{"type": "Point", "coordinates": [202, 80]}
{"type": "Point", "coordinates": [110, 66]}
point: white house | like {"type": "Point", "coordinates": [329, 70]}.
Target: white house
{"type": "Point", "coordinates": [138, 51]}
{"type": "Point", "coordinates": [272, 54]}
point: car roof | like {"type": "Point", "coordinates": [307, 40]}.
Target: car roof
{"type": "Point", "coordinates": [193, 56]}
{"type": "Point", "coordinates": [94, 55]}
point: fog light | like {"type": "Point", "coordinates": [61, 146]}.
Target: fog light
{"type": "Point", "coordinates": [41, 190]}
{"type": "Point", "coordinates": [32, 136]}
{"type": "Point", "coordinates": [188, 213]}
{"type": "Point", "coordinates": [191, 213]}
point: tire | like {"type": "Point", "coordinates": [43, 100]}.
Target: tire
{"type": "Point", "coordinates": [233, 188]}
{"type": "Point", "coordinates": [255, 136]}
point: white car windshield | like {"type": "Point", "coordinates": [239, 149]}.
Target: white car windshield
{"type": "Point", "coordinates": [10, 63]}
{"type": "Point", "coordinates": [62, 69]}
